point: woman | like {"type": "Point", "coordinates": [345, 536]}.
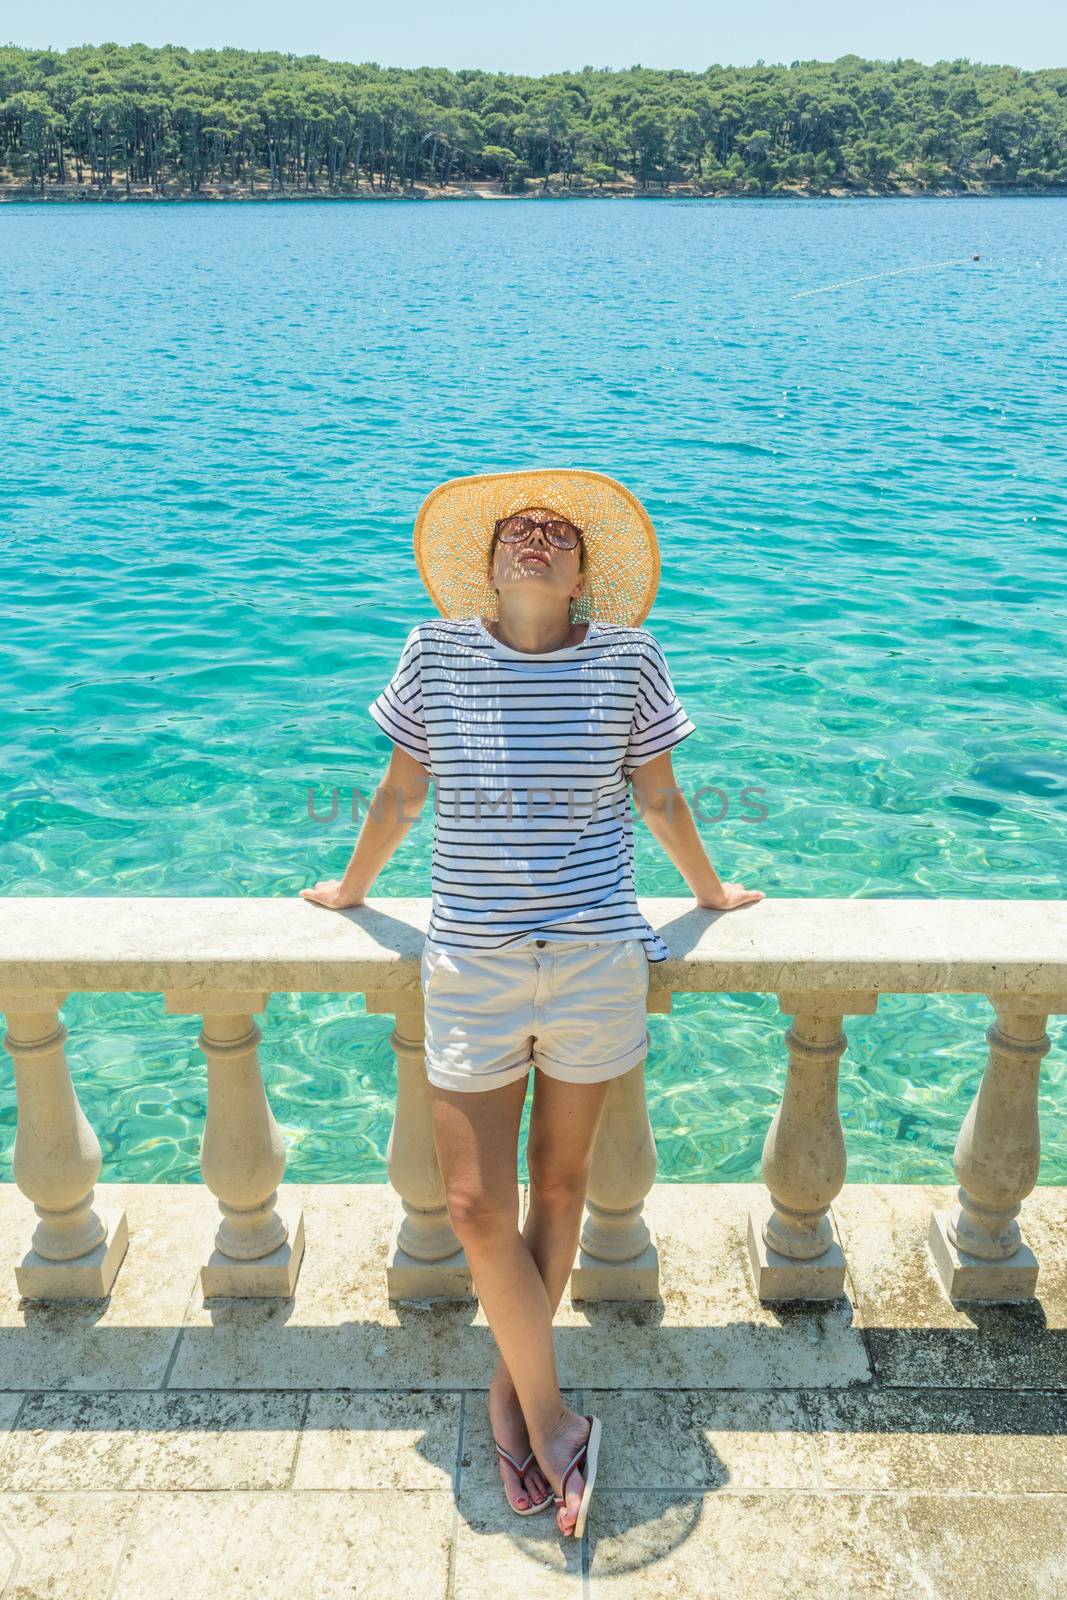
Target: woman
{"type": "Point", "coordinates": [532, 706]}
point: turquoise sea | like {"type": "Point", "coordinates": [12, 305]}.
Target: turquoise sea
{"type": "Point", "coordinates": [216, 425]}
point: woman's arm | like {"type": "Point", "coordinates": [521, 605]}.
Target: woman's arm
{"type": "Point", "coordinates": [666, 810]}
{"type": "Point", "coordinates": [398, 801]}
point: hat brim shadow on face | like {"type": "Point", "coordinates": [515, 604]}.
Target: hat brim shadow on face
{"type": "Point", "coordinates": [454, 531]}
{"type": "Point", "coordinates": [556, 554]}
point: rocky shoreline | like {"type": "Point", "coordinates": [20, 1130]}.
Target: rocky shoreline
{"type": "Point", "coordinates": [117, 194]}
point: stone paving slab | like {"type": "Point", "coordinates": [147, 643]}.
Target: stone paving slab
{"type": "Point", "coordinates": [62, 1546]}
{"type": "Point", "coordinates": [849, 1546]}
{"type": "Point", "coordinates": [721, 1545]}
{"type": "Point", "coordinates": [121, 1440]}
{"type": "Point", "coordinates": [709, 1330]}
{"type": "Point", "coordinates": [915, 1334]}
{"type": "Point", "coordinates": [696, 1439]}
{"type": "Point", "coordinates": [955, 1439]}
{"type": "Point", "coordinates": [499, 1555]}
{"type": "Point", "coordinates": [301, 1545]}
{"type": "Point", "coordinates": [728, 1546]}
{"type": "Point", "coordinates": [379, 1441]}
{"type": "Point", "coordinates": [665, 1439]}
{"type": "Point", "coordinates": [974, 1547]}
{"type": "Point", "coordinates": [126, 1341]}
{"type": "Point", "coordinates": [340, 1328]}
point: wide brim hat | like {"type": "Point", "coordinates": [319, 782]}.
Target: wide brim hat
{"type": "Point", "coordinates": [454, 530]}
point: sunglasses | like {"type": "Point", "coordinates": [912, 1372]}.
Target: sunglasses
{"type": "Point", "coordinates": [516, 530]}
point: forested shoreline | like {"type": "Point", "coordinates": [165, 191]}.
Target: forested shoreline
{"type": "Point", "coordinates": [115, 121]}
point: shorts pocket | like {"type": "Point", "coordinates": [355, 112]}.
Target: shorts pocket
{"type": "Point", "coordinates": [626, 959]}
{"type": "Point", "coordinates": [638, 959]}
{"type": "Point", "coordinates": [431, 963]}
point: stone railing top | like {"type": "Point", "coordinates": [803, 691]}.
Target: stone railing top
{"type": "Point", "coordinates": [889, 946]}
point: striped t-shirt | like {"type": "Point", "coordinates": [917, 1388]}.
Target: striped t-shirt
{"type": "Point", "coordinates": [530, 757]}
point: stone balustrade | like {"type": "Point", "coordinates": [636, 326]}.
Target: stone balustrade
{"type": "Point", "coordinates": [825, 960]}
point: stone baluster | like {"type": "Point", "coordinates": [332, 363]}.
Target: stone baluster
{"type": "Point", "coordinates": [793, 1243]}
{"type": "Point", "coordinates": [618, 1257]}
{"type": "Point", "coordinates": [76, 1248]}
{"type": "Point", "coordinates": [427, 1261]}
{"type": "Point", "coordinates": [260, 1241]}
{"type": "Point", "coordinates": [977, 1247]}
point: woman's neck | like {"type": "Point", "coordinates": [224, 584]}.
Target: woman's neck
{"type": "Point", "coordinates": [537, 635]}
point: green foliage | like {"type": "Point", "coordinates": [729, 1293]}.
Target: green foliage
{"type": "Point", "coordinates": [180, 121]}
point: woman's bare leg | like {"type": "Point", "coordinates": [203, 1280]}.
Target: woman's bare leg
{"type": "Point", "coordinates": [559, 1152]}
{"type": "Point", "coordinates": [559, 1156]}
{"type": "Point", "coordinates": [476, 1135]}
{"type": "Point", "coordinates": [477, 1149]}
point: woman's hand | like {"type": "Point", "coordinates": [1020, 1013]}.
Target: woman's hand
{"type": "Point", "coordinates": [328, 894]}
{"type": "Point", "coordinates": [733, 895]}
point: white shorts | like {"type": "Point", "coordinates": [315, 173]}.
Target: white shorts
{"type": "Point", "coordinates": [575, 1008]}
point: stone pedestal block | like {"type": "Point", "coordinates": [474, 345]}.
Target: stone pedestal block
{"type": "Point", "coordinates": [263, 1277]}
{"type": "Point", "coordinates": [967, 1277]}
{"type": "Point", "coordinates": [410, 1279]}
{"type": "Point", "coordinates": [637, 1279]}
{"type": "Point", "coordinates": [86, 1277]}
{"type": "Point", "coordinates": [779, 1277]}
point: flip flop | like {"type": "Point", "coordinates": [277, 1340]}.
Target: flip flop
{"type": "Point", "coordinates": [520, 1468]}
{"type": "Point", "coordinates": [591, 1451]}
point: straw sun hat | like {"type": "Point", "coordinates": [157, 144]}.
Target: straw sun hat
{"type": "Point", "coordinates": [454, 530]}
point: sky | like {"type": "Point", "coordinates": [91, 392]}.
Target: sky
{"type": "Point", "coordinates": [553, 35]}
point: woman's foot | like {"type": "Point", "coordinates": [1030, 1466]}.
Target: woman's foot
{"type": "Point", "coordinates": [509, 1429]}
{"type": "Point", "coordinates": [553, 1453]}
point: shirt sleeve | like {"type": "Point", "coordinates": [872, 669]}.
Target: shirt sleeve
{"type": "Point", "coordinates": [659, 720]}
{"type": "Point", "coordinates": [398, 709]}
